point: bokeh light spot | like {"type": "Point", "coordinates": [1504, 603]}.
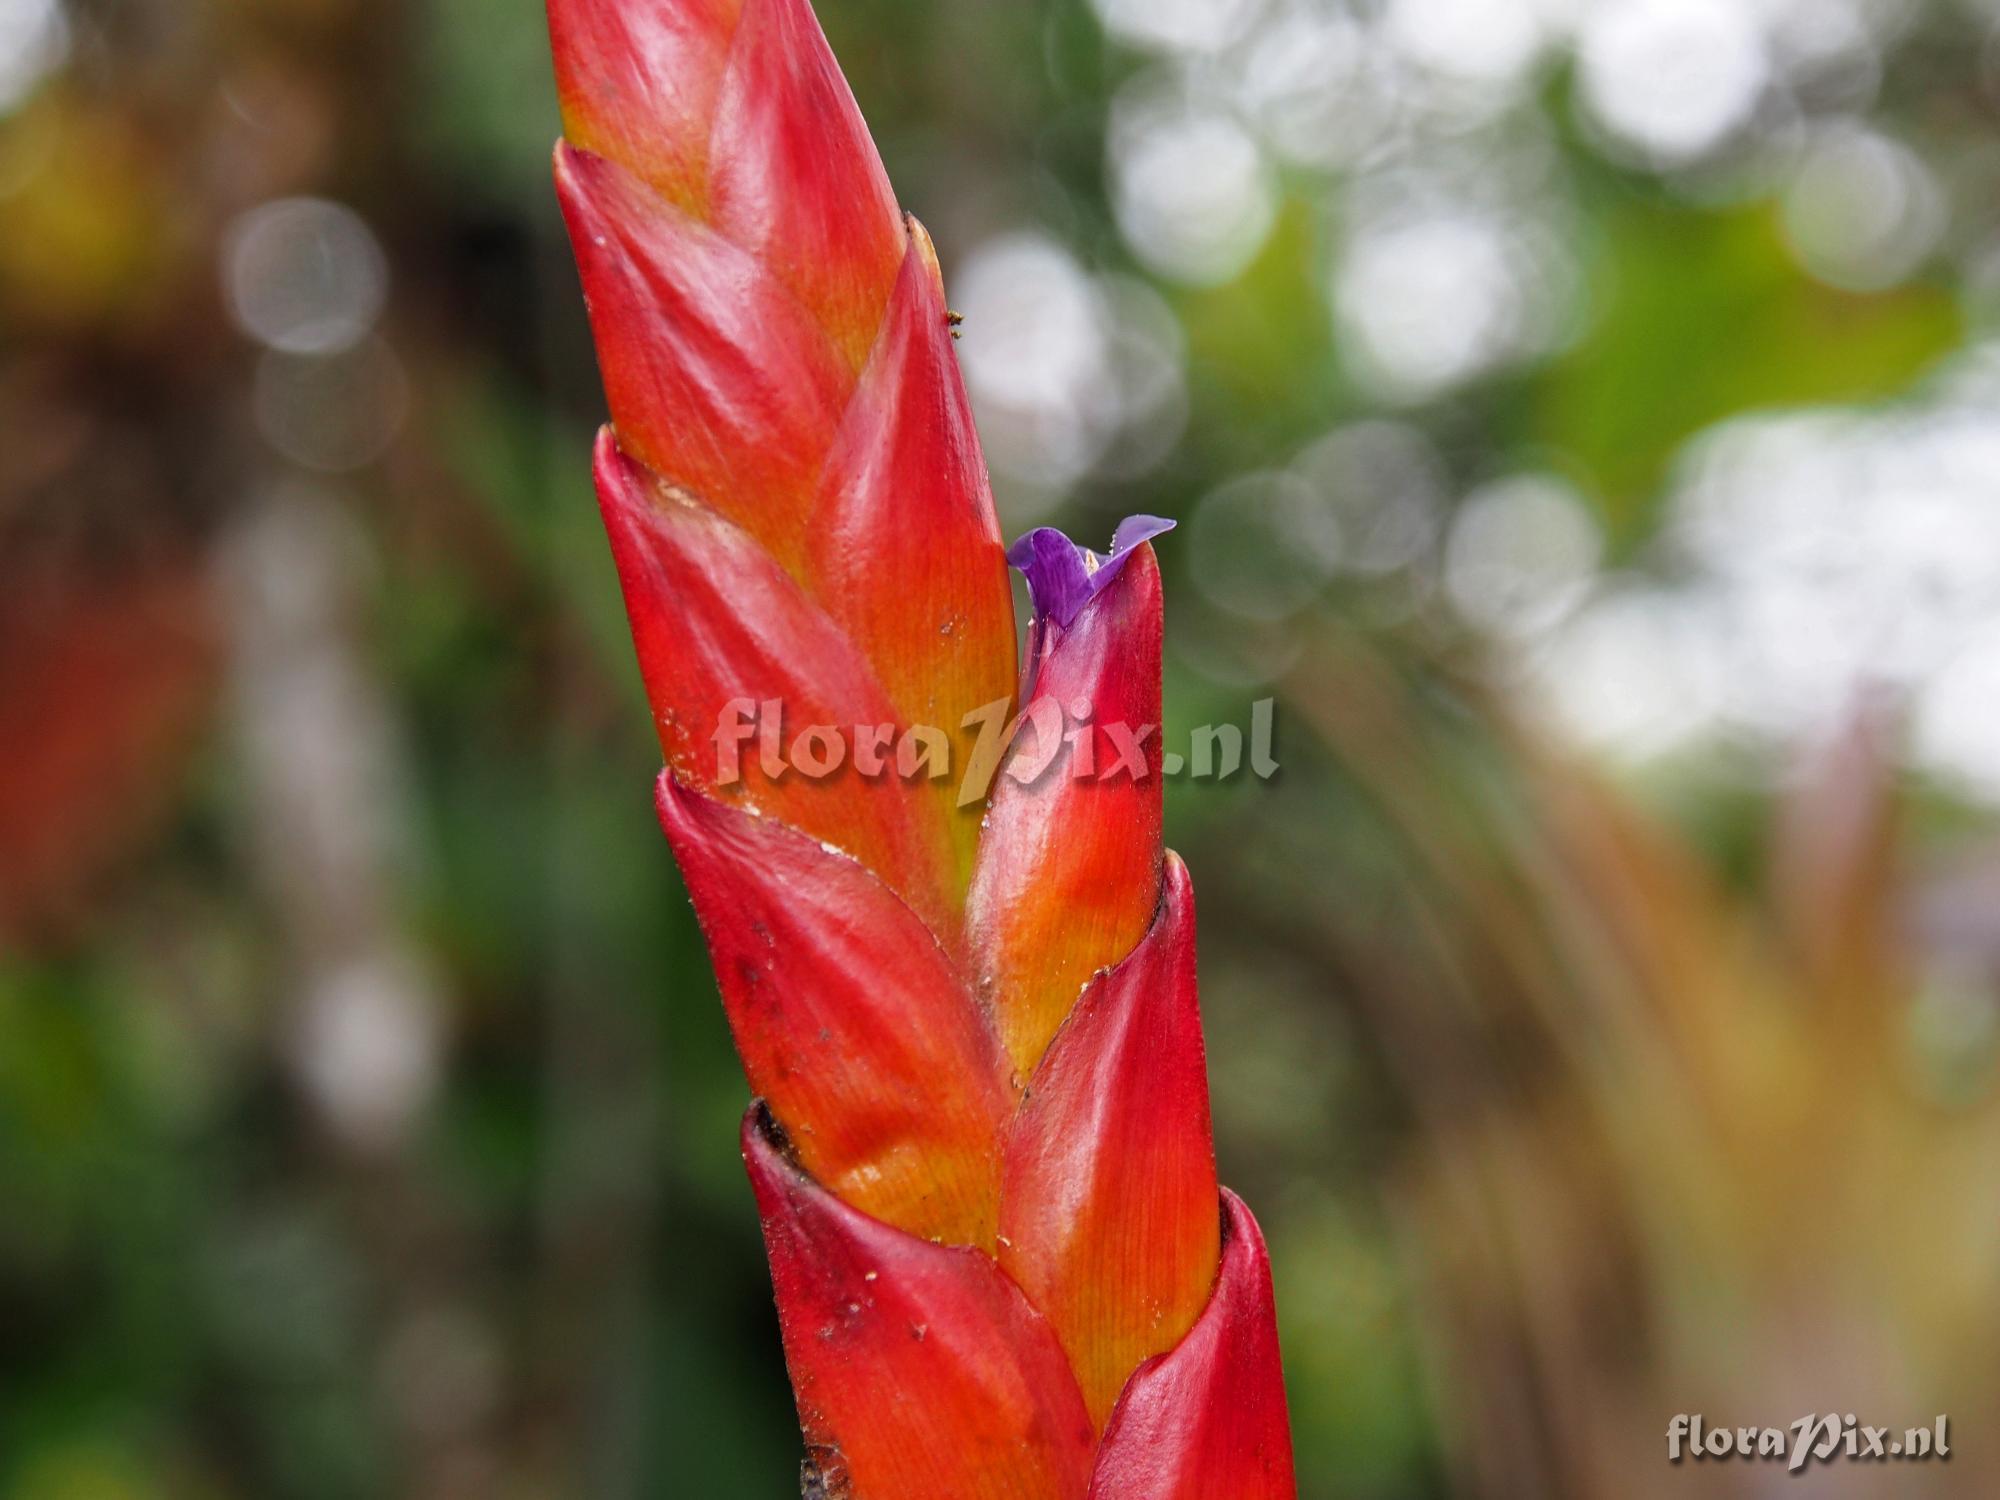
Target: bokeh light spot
{"type": "Point", "coordinates": [1192, 191]}
{"type": "Point", "coordinates": [304, 276]}
{"type": "Point", "coordinates": [1521, 555]}
{"type": "Point", "coordinates": [1190, 26]}
{"type": "Point", "coordinates": [1863, 213]}
{"type": "Point", "coordinates": [34, 41]}
{"type": "Point", "coordinates": [1264, 546]}
{"type": "Point", "coordinates": [1672, 79]}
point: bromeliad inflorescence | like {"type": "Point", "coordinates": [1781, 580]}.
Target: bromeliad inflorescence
{"type": "Point", "coordinates": [981, 1147]}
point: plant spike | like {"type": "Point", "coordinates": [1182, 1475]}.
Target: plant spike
{"type": "Point", "coordinates": [981, 1144]}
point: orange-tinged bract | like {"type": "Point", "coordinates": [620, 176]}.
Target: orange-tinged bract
{"type": "Point", "coordinates": [921, 1370]}
{"type": "Point", "coordinates": [1207, 1420]}
{"type": "Point", "coordinates": [794, 178]}
{"type": "Point", "coordinates": [1108, 1216]}
{"type": "Point", "coordinates": [850, 1018]}
{"type": "Point", "coordinates": [719, 381]}
{"type": "Point", "coordinates": [903, 496]}
{"type": "Point", "coordinates": [1069, 870]}
{"type": "Point", "coordinates": [718, 622]}
{"type": "Point", "coordinates": [639, 84]}
{"type": "Point", "coordinates": [981, 1146]}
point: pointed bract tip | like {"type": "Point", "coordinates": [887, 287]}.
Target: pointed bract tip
{"type": "Point", "coordinates": [926, 249]}
{"type": "Point", "coordinates": [1207, 1419]}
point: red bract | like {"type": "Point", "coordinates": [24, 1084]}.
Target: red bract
{"type": "Point", "coordinates": [719, 381]}
{"type": "Point", "coordinates": [794, 178]}
{"type": "Point", "coordinates": [903, 496]}
{"type": "Point", "coordinates": [717, 623]}
{"type": "Point", "coordinates": [851, 1021]}
{"type": "Point", "coordinates": [921, 1370]}
{"type": "Point", "coordinates": [1069, 870]}
{"type": "Point", "coordinates": [1110, 1179]}
{"type": "Point", "coordinates": [1207, 1421]}
{"type": "Point", "coordinates": [981, 1149]}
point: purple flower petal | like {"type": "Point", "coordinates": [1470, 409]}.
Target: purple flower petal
{"type": "Point", "coordinates": [1063, 577]}
{"type": "Point", "coordinates": [1059, 581]}
{"type": "Point", "coordinates": [1136, 529]}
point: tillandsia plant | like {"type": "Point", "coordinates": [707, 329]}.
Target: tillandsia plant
{"type": "Point", "coordinates": [959, 969]}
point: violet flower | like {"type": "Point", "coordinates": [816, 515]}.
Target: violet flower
{"type": "Point", "coordinates": [1063, 577]}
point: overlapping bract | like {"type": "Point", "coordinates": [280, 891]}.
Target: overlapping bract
{"type": "Point", "coordinates": [982, 1152]}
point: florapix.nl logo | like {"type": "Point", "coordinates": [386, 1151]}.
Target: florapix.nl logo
{"type": "Point", "coordinates": [1048, 739]}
